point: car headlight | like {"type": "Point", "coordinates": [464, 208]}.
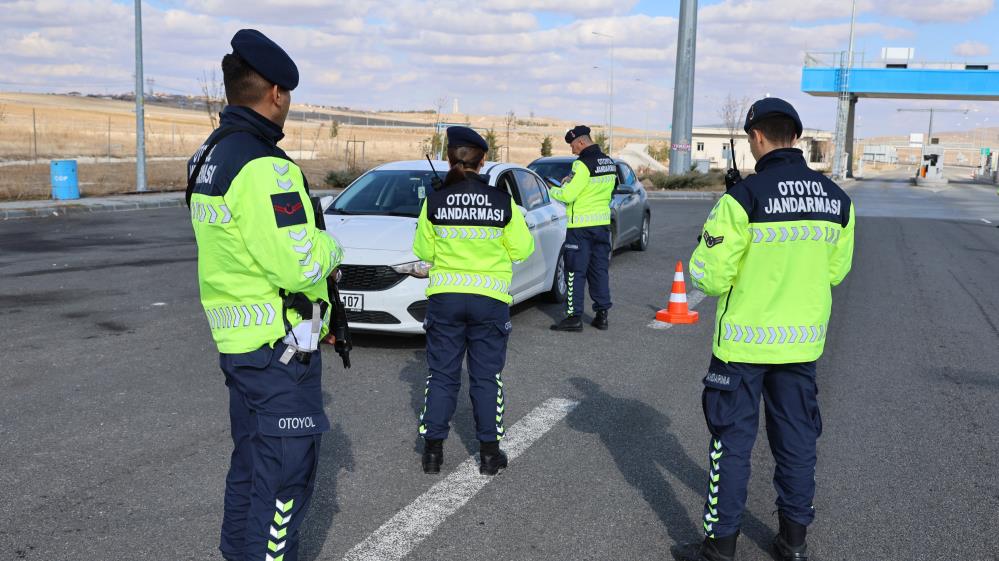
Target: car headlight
{"type": "Point", "coordinates": [418, 269]}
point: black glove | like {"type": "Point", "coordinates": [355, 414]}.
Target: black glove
{"type": "Point", "coordinates": [732, 177]}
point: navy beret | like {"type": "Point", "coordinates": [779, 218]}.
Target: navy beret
{"type": "Point", "coordinates": [464, 136]}
{"type": "Point", "coordinates": [576, 132]}
{"type": "Point", "coordinates": [769, 107]}
{"type": "Point", "coordinates": [266, 57]}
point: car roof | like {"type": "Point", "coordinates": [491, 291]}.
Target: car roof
{"type": "Point", "coordinates": [563, 160]}
{"type": "Point", "coordinates": [490, 168]}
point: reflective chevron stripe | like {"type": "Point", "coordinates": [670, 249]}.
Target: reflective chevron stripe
{"type": "Point", "coordinates": [500, 408]}
{"type": "Point", "coordinates": [470, 280]}
{"type": "Point", "coordinates": [468, 232]}
{"type": "Point", "coordinates": [778, 334]}
{"type": "Point", "coordinates": [207, 212]}
{"type": "Point", "coordinates": [597, 218]}
{"type": "Point", "coordinates": [570, 281]}
{"type": "Point", "coordinates": [714, 485]}
{"type": "Point", "coordinates": [278, 531]}
{"type": "Point", "coordinates": [426, 395]}
{"type": "Point", "coordinates": [241, 315]}
{"type": "Point", "coordinates": [783, 234]}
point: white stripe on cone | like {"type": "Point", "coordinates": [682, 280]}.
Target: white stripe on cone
{"type": "Point", "coordinates": [678, 276]}
{"type": "Point", "coordinates": [678, 298]}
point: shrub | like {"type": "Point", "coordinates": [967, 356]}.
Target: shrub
{"type": "Point", "coordinates": [693, 180]}
{"type": "Point", "coordinates": [338, 179]}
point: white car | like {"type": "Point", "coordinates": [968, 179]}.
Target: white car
{"type": "Point", "coordinates": [374, 219]}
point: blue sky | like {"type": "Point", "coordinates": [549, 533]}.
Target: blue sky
{"type": "Point", "coordinates": [522, 55]}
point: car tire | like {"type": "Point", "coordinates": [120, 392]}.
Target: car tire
{"type": "Point", "coordinates": [642, 243]}
{"type": "Point", "coordinates": [560, 290]}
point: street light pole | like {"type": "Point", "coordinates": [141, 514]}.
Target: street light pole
{"type": "Point", "coordinates": [683, 90]}
{"type": "Point", "coordinates": [929, 132]}
{"type": "Point", "coordinates": [610, 117]}
{"type": "Point", "coordinates": [140, 122]}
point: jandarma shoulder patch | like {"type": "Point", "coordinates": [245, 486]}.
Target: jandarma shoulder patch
{"type": "Point", "coordinates": [288, 209]}
{"type": "Point", "coordinates": [710, 241]}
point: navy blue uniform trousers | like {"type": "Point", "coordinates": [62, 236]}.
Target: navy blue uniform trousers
{"type": "Point", "coordinates": [460, 325]}
{"type": "Point", "coordinates": [731, 402]}
{"type": "Point", "coordinates": [587, 259]}
{"type": "Point", "coordinates": [277, 421]}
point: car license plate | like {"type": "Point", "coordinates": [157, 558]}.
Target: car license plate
{"type": "Point", "coordinates": [353, 302]}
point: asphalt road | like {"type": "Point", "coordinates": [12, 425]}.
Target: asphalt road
{"type": "Point", "coordinates": [114, 435]}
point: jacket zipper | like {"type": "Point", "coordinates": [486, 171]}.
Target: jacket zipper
{"type": "Point", "coordinates": [722, 318]}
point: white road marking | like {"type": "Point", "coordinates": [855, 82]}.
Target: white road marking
{"type": "Point", "coordinates": [403, 532]}
{"type": "Point", "coordinates": [985, 221]}
{"type": "Point", "coordinates": [693, 299]}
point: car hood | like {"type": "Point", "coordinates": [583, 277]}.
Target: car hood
{"type": "Point", "coordinates": [385, 233]}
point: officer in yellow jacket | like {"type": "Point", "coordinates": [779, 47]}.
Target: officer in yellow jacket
{"type": "Point", "coordinates": [262, 265]}
{"type": "Point", "coordinates": [772, 248]}
{"type": "Point", "coordinates": [472, 233]}
{"type": "Point", "coordinates": [587, 194]}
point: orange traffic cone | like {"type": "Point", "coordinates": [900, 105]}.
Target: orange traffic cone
{"type": "Point", "coordinates": [677, 311]}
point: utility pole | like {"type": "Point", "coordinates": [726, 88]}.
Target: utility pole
{"type": "Point", "coordinates": [683, 90]}
{"type": "Point", "coordinates": [841, 151]}
{"type": "Point", "coordinates": [610, 110]}
{"type": "Point", "coordinates": [140, 121]}
{"type": "Point", "coordinates": [929, 132]}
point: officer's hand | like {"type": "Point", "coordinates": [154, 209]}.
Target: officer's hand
{"type": "Point", "coordinates": [732, 177]}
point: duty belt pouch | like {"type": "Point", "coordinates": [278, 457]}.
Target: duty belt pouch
{"type": "Point", "coordinates": [304, 337]}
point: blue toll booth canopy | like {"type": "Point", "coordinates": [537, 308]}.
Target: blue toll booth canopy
{"type": "Point", "coordinates": [903, 80]}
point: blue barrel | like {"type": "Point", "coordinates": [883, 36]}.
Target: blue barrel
{"type": "Point", "coordinates": [64, 181]}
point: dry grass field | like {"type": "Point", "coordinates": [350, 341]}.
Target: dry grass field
{"type": "Point", "coordinates": [100, 134]}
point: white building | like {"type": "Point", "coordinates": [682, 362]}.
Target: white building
{"type": "Point", "coordinates": [712, 144]}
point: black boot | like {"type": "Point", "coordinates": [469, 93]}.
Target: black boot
{"type": "Point", "coordinates": [433, 455]}
{"type": "Point", "coordinates": [711, 549]}
{"type": "Point", "coordinates": [491, 458]}
{"type": "Point", "coordinates": [789, 545]}
{"type": "Point", "coordinates": [571, 323]}
{"type": "Point", "coordinates": [600, 322]}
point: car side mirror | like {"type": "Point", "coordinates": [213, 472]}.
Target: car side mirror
{"type": "Point", "coordinates": [624, 191]}
{"type": "Point", "coordinates": [522, 210]}
{"type": "Point", "coordinates": [326, 202]}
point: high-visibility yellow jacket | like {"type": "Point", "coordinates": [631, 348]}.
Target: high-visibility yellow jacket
{"type": "Point", "coordinates": [472, 233]}
{"type": "Point", "coordinates": [588, 192]}
{"type": "Point", "coordinates": [771, 249]}
{"type": "Point", "coordinates": [256, 235]}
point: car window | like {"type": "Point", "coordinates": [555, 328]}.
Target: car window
{"type": "Point", "coordinates": [556, 170]}
{"type": "Point", "coordinates": [543, 185]}
{"type": "Point", "coordinates": [625, 174]}
{"type": "Point", "coordinates": [530, 191]}
{"type": "Point", "coordinates": [507, 183]}
{"type": "Point", "coordinates": [387, 192]}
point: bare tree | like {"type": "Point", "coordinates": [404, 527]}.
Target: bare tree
{"type": "Point", "coordinates": [3, 113]}
{"type": "Point", "coordinates": [214, 91]}
{"type": "Point", "coordinates": [732, 113]}
{"type": "Point", "coordinates": [511, 119]}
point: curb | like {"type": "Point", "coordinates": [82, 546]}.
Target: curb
{"type": "Point", "coordinates": [39, 209]}
{"type": "Point", "coordinates": [685, 195]}
{"type": "Point", "coordinates": [61, 209]}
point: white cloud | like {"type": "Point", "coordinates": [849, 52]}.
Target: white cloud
{"type": "Point", "coordinates": [933, 11]}
{"type": "Point", "coordinates": [576, 7]}
{"type": "Point", "coordinates": [972, 48]}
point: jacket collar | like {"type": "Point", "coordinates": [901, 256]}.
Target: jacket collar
{"type": "Point", "coordinates": [244, 116]}
{"type": "Point", "coordinates": [469, 176]}
{"type": "Point", "coordinates": [780, 157]}
{"type": "Point", "coordinates": [591, 150]}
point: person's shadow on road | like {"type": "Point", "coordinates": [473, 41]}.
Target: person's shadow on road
{"type": "Point", "coordinates": [638, 438]}
{"type": "Point", "coordinates": [335, 455]}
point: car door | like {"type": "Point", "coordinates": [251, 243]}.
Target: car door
{"type": "Point", "coordinates": [526, 273]}
{"type": "Point", "coordinates": [550, 220]}
{"type": "Point", "coordinates": [630, 212]}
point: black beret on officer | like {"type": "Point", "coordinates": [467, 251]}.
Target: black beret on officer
{"type": "Point", "coordinates": [576, 132]}
{"type": "Point", "coordinates": [770, 107]}
{"type": "Point", "coordinates": [465, 136]}
{"type": "Point", "coordinates": [266, 57]}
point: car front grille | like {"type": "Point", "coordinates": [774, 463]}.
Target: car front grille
{"type": "Point", "coordinates": [380, 318]}
{"type": "Point", "coordinates": [368, 277]}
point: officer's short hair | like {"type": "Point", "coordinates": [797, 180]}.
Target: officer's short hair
{"type": "Point", "coordinates": [585, 137]}
{"type": "Point", "coordinates": [243, 85]}
{"type": "Point", "coordinates": [778, 129]}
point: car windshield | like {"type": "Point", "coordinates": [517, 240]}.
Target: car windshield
{"type": "Point", "coordinates": [555, 170]}
{"type": "Point", "coordinates": [386, 192]}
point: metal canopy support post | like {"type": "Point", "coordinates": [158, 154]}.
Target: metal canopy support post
{"type": "Point", "coordinates": [140, 122]}
{"type": "Point", "coordinates": [841, 154]}
{"type": "Point", "coordinates": [683, 90]}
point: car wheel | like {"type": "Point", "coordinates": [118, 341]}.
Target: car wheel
{"type": "Point", "coordinates": [642, 243]}
{"type": "Point", "coordinates": [560, 290]}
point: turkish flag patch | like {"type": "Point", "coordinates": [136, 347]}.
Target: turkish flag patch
{"type": "Point", "coordinates": [288, 209]}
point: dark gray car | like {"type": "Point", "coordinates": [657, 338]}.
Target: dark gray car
{"type": "Point", "coordinates": [630, 211]}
